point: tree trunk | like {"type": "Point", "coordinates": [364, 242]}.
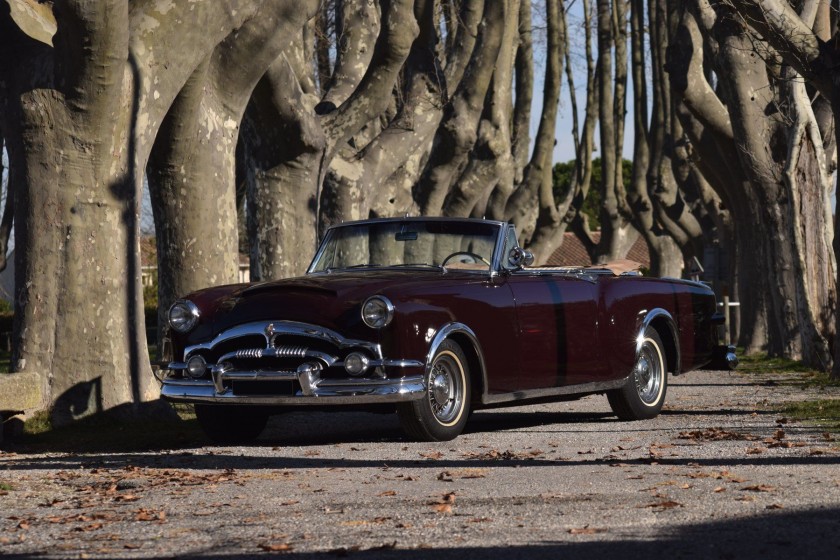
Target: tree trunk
{"type": "Point", "coordinates": [523, 207]}
{"type": "Point", "coordinates": [458, 130]}
{"type": "Point", "coordinates": [8, 210]}
{"type": "Point", "coordinates": [77, 271]}
{"type": "Point", "coordinates": [287, 181]}
{"type": "Point", "coordinates": [795, 331]}
{"type": "Point", "coordinates": [79, 131]}
{"type": "Point", "coordinates": [491, 164]}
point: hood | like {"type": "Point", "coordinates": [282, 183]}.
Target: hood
{"type": "Point", "coordinates": [330, 300]}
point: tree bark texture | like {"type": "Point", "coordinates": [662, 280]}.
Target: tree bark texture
{"type": "Point", "coordinates": [776, 151]}
{"type": "Point", "coordinates": [192, 165]}
{"type": "Point", "coordinates": [80, 120]}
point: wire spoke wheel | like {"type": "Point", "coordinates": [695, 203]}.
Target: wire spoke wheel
{"type": "Point", "coordinates": [644, 393]}
{"type": "Point", "coordinates": [648, 373]}
{"type": "Point", "coordinates": [446, 388]}
{"type": "Point", "coordinates": [442, 413]}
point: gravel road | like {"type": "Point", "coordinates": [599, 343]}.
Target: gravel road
{"type": "Point", "coordinates": [720, 474]}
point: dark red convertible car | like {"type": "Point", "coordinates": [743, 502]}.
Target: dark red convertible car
{"type": "Point", "coordinates": [434, 318]}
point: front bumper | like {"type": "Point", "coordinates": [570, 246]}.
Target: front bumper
{"type": "Point", "coordinates": [249, 375]}
{"type": "Point", "coordinates": [313, 391]}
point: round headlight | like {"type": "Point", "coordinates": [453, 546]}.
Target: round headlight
{"type": "Point", "coordinates": [355, 363]}
{"type": "Point", "coordinates": [377, 312]}
{"type": "Point", "coordinates": [183, 315]}
{"type": "Point", "coordinates": [196, 366]}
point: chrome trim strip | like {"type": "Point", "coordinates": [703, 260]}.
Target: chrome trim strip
{"type": "Point", "coordinates": [257, 353]}
{"type": "Point", "coordinates": [496, 267]}
{"type": "Point", "coordinates": [532, 394]}
{"type": "Point", "coordinates": [396, 363]}
{"type": "Point", "coordinates": [445, 332]}
{"type": "Point", "coordinates": [645, 322]}
{"type": "Point", "coordinates": [280, 328]}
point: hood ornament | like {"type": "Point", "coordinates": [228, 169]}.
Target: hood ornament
{"type": "Point", "coordinates": [270, 334]}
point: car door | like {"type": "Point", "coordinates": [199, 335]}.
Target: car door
{"type": "Point", "coordinates": [557, 318]}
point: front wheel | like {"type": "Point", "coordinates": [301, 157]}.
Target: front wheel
{"type": "Point", "coordinates": [644, 393]}
{"type": "Point", "coordinates": [230, 424]}
{"type": "Point", "coordinates": [443, 411]}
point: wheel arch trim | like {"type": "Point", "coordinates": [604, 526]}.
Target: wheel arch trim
{"type": "Point", "coordinates": [451, 330]}
{"type": "Point", "coordinates": [653, 318]}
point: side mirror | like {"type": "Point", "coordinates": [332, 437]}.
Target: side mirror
{"type": "Point", "coordinates": [519, 257]}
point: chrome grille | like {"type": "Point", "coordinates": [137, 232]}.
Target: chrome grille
{"type": "Point", "coordinates": [291, 351]}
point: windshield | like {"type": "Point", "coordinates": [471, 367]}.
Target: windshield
{"type": "Point", "coordinates": [465, 245]}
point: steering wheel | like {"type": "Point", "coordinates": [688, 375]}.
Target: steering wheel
{"type": "Point", "coordinates": [473, 256]}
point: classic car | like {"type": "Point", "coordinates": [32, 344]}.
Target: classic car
{"type": "Point", "coordinates": [432, 318]}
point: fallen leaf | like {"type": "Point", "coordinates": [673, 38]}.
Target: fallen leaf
{"type": "Point", "coordinates": [443, 508]}
{"type": "Point", "coordinates": [667, 504]}
{"type": "Point", "coordinates": [126, 498]}
{"type": "Point", "coordinates": [714, 434]}
{"type": "Point", "coordinates": [587, 530]}
{"type": "Point", "coordinates": [149, 515]}
{"type": "Point", "coordinates": [775, 506]}
{"type": "Point", "coordinates": [756, 450]}
{"type": "Point", "coordinates": [433, 455]}
{"type": "Point", "coordinates": [276, 547]}
{"type": "Point", "coordinates": [89, 528]}
{"type": "Point", "coordinates": [444, 476]}
{"type": "Point", "coordinates": [387, 493]}
{"type": "Point", "coordinates": [758, 488]}
{"type": "Point", "coordinates": [719, 489]}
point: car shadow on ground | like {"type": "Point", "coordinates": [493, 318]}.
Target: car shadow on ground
{"type": "Point", "coordinates": [307, 428]}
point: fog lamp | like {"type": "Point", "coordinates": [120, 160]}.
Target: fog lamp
{"type": "Point", "coordinates": [355, 363]}
{"type": "Point", "coordinates": [196, 366]}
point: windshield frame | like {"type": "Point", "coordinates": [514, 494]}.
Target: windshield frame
{"type": "Point", "coordinates": [495, 262]}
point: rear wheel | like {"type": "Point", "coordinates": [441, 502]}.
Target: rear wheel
{"type": "Point", "coordinates": [443, 411]}
{"type": "Point", "coordinates": [229, 424]}
{"type": "Point", "coordinates": [644, 393]}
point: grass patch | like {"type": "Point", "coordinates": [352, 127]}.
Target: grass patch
{"type": "Point", "coordinates": [761, 363]}
{"type": "Point", "coordinates": [822, 412]}
{"type": "Point", "coordinates": [6, 487]}
{"type": "Point", "coordinates": [110, 433]}
{"type": "Point", "coordinates": [806, 377]}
